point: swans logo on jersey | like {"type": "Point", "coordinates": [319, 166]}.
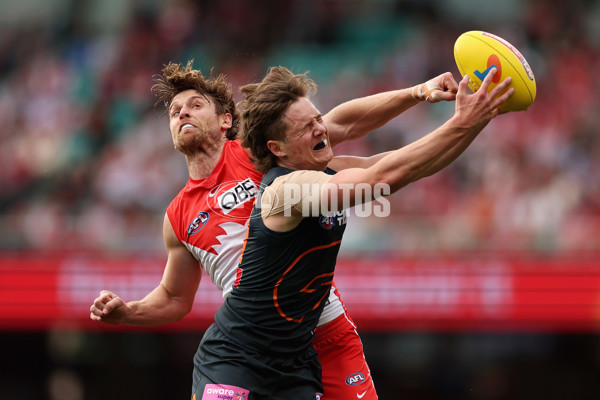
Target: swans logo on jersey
{"type": "Point", "coordinates": [230, 195]}
{"type": "Point", "coordinates": [355, 379]}
{"type": "Point", "coordinates": [198, 223]}
{"type": "Point", "coordinates": [328, 221]}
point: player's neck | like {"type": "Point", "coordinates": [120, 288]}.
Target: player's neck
{"type": "Point", "coordinates": [201, 164]}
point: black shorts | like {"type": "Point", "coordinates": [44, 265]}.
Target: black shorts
{"type": "Point", "coordinates": [225, 371]}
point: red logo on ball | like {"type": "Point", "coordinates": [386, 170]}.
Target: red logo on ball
{"type": "Point", "coordinates": [495, 61]}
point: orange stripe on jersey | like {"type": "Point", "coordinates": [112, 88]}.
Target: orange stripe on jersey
{"type": "Point", "coordinates": [238, 274]}
{"type": "Point", "coordinates": [305, 290]}
{"type": "Point", "coordinates": [244, 246]}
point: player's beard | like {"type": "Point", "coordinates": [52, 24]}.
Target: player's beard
{"type": "Point", "coordinates": [193, 141]}
{"type": "Point", "coordinates": [193, 144]}
{"type": "Point", "coordinates": [190, 144]}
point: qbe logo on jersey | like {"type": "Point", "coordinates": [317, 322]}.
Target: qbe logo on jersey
{"type": "Point", "coordinates": [230, 195]}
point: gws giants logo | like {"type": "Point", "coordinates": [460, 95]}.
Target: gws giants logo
{"type": "Point", "coordinates": [355, 379]}
{"type": "Point", "coordinates": [198, 223]}
{"type": "Point", "coordinates": [228, 196]}
{"type": "Point", "coordinates": [328, 221]}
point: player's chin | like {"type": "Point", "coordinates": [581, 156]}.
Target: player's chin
{"type": "Point", "coordinates": [323, 160]}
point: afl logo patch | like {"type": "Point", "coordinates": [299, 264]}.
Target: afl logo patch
{"type": "Point", "coordinates": [198, 223]}
{"type": "Point", "coordinates": [355, 379]}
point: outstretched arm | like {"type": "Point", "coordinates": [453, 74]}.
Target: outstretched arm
{"type": "Point", "coordinates": [436, 150]}
{"type": "Point", "coordinates": [340, 163]}
{"type": "Point", "coordinates": [170, 301]}
{"type": "Point", "coordinates": [355, 118]}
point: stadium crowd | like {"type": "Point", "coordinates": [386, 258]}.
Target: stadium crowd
{"type": "Point", "coordinates": [86, 161]}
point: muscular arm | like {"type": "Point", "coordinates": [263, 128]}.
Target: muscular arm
{"type": "Point", "coordinates": [170, 301]}
{"type": "Point", "coordinates": [436, 150]}
{"type": "Point", "coordinates": [339, 163]}
{"type": "Point", "coordinates": [355, 118]}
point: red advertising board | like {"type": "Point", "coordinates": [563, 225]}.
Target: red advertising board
{"type": "Point", "coordinates": [469, 292]}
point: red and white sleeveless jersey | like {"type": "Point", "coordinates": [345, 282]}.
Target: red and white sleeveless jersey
{"type": "Point", "coordinates": [209, 216]}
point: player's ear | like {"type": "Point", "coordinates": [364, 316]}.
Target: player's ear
{"type": "Point", "coordinates": [226, 121]}
{"type": "Point", "coordinates": [276, 148]}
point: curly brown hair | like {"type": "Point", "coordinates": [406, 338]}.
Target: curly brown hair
{"type": "Point", "coordinates": [263, 109]}
{"type": "Point", "coordinates": [176, 78]}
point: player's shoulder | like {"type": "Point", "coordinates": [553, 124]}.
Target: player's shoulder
{"type": "Point", "coordinates": [234, 151]}
{"type": "Point", "coordinates": [177, 199]}
{"type": "Point", "coordinates": [235, 147]}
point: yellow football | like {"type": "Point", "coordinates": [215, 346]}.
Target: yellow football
{"type": "Point", "coordinates": [476, 52]}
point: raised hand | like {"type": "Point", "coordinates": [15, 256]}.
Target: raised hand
{"type": "Point", "coordinates": [440, 88]}
{"type": "Point", "coordinates": [481, 106]}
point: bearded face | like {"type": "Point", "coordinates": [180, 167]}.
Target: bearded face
{"type": "Point", "coordinates": [194, 122]}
